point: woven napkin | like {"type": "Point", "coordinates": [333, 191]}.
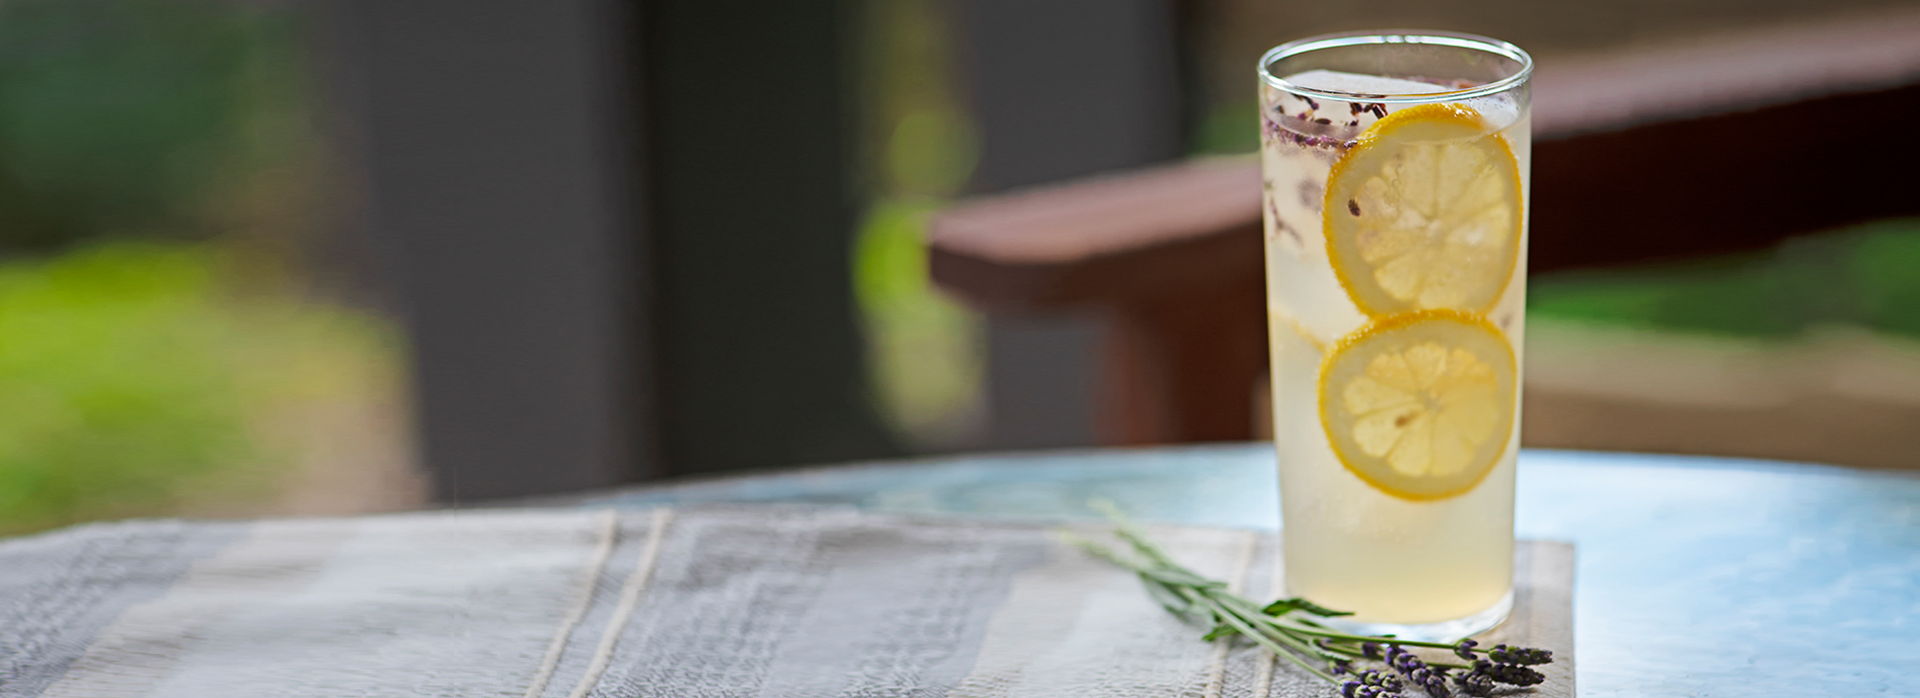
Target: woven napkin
{"type": "Point", "coordinates": [726, 601]}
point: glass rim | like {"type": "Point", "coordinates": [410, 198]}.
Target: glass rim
{"type": "Point", "coordinates": [1396, 37]}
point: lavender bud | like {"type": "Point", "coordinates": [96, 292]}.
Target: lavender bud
{"type": "Point", "coordinates": [1342, 666]}
{"type": "Point", "coordinates": [1437, 688]}
{"type": "Point", "coordinates": [1464, 648]}
{"type": "Point", "coordinates": [1390, 682]}
{"type": "Point", "coordinates": [1347, 689]}
{"type": "Point", "coordinates": [1406, 663]}
{"type": "Point", "coordinates": [1515, 674]}
{"type": "Point", "coordinates": [1475, 684]}
{"type": "Point", "coordinates": [1387, 683]}
{"type": "Point", "coordinates": [1370, 650]}
{"type": "Point", "coordinates": [1520, 655]}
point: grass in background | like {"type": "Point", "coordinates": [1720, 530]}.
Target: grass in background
{"type": "Point", "coordinates": [1862, 276]}
{"type": "Point", "coordinates": [135, 381]}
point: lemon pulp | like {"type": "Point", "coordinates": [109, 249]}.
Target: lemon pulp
{"type": "Point", "coordinates": [1421, 405]}
{"type": "Point", "coordinates": [1424, 212]}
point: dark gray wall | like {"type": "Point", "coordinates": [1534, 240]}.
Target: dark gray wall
{"type": "Point", "coordinates": [557, 347]}
{"type": "Point", "coordinates": [564, 335]}
{"type": "Point", "coordinates": [1065, 88]}
{"type": "Point", "coordinates": [752, 117]}
{"type": "Point", "coordinates": [495, 143]}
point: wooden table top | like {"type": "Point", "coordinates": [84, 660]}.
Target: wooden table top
{"type": "Point", "coordinates": [1696, 576]}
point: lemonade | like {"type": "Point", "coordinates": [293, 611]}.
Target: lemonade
{"type": "Point", "coordinates": [1395, 195]}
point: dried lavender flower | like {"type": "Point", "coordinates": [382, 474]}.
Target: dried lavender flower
{"type": "Point", "coordinates": [1464, 649]}
{"type": "Point", "coordinates": [1474, 684]}
{"type": "Point", "coordinates": [1404, 661]}
{"type": "Point", "coordinates": [1520, 655]}
{"type": "Point", "coordinates": [1513, 674]}
{"type": "Point", "coordinates": [1375, 677]}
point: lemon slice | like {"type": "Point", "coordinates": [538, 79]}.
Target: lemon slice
{"type": "Point", "coordinates": [1424, 212]}
{"type": "Point", "coordinates": [1420, 405]}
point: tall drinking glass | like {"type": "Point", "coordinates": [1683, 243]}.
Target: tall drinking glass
{"type": "Point", "coordinates": [1396, 240]}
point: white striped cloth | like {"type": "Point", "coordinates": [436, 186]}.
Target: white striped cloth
{"type": "Point", "coordinates": [714, 601]}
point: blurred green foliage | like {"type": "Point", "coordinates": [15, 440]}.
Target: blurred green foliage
{"type": "Point", "coordinates": [138, 378]}
{"type": "Point", "coordinates": [925, 358]}
{"type": "Point", "coordinates": [931, 153]}
{"type": "Point", "coordinates": [156, 159]}
{"type": "Point", "coordinates": [926, 362]}
{"type": "Point", "coordinates": [1863, 276]}
{"type": "Point", "coordinates": [120, 115]}
{"type": "Point", "coordinates": [1231, 130]}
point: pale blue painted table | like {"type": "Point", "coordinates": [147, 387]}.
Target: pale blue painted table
{"type": "Point", "coordinates": [1696, 576]}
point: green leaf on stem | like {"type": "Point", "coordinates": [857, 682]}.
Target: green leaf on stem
{"type": "Point", "coordinates": [1283, 606]}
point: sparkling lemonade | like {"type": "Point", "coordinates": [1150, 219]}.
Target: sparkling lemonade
{"type": "Point", "coordinates": [1396, 258]}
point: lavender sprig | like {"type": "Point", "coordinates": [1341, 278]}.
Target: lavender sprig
{"type": "Point", "coordinates": [1519, 655]}
{"type": "Point", "coordinates": [1291, 629]}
